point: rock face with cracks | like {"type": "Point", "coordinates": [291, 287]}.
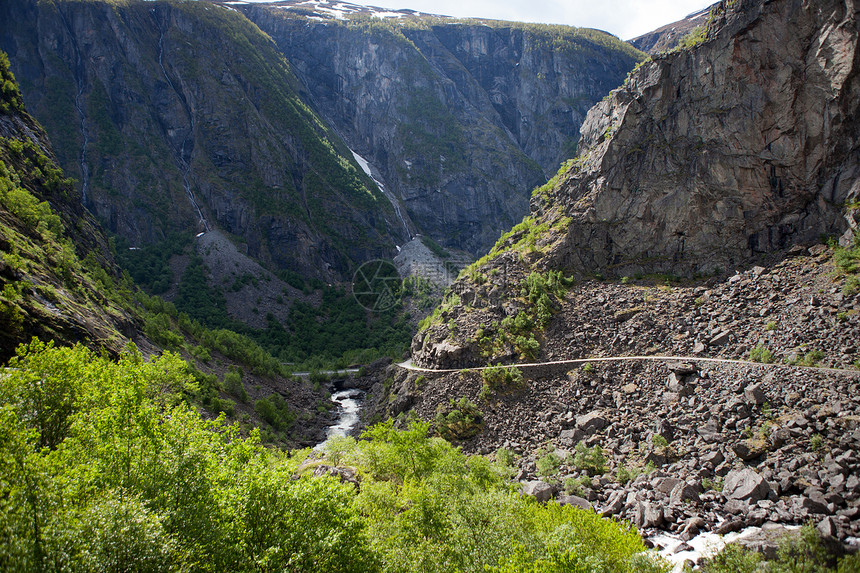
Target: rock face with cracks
{"type": "Point", "coordinates": [706, 160]}
{"type": "Point", "coordinates": [742, 145]}
{"type": "Point", "coordinates": [461, 118]}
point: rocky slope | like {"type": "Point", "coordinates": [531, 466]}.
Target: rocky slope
{"type": "Point", "coordinates": [688, 445]}
{"type": "Point", "coordinates": [178, 116]}
{"type": "Point", "coordinates": [689, 226]}
{"type": "Point", "coordinates": [704, 161]}
{"type": "Point", "coordinates": [460, 118]}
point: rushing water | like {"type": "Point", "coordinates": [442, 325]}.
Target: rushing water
{"type": "Point", "coordinates": [349, 402]}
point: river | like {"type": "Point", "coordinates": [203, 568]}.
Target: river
{"type": "Point", "coordinates": [349, 403]}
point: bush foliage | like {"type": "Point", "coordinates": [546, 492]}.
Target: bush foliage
{"type": "Point", "coordinates": [103, 467]}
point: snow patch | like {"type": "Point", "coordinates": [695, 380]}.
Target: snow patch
{"type": "Point", "coordinates": [365, 166]}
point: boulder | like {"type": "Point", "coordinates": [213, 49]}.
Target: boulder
{"type": "Point", "coordinates": [615, 503]}
{"type": "Point", "coordinates": [540, 490]}
{"type": "Point", "coordinates": [749, 449]}
{"type": "Point", "coordinates": [814, 503]}
{"type": "Point", "coordinates": [591, 422]}
{"type": "Point", "coordinates": [746, 485]}
{"type": "Point", "coordinates": [575, 501]}
{"type": "Point", "coordinates": [685, 492]}
{"type": "Point", "coordinates": [664, 428]}
{"type": "Point", "coordinates": [720, 339]}
{"type": "Point", "coordinates": [715, 458]}
{"type": "Point", "coordinates": [682, 368]}
{"type": "Point", "coordinates": [692, 528]}
{"type": "Point", "coordinates": [664, 484]}
{"type": "Point", "coordinates": [570, 437]}
{"type": "Point", "coordinates": [710, 432]}
{"type": "Point", "coordinates": [647, 514]}
{"type": "Point", "coordinates": [754, 394]}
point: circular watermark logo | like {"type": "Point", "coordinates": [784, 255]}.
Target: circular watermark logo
{"type": "Point", "coordinates": [376, 285]}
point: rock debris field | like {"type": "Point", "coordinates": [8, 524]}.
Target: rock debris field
{"type": "Point", "coordinates": [684, 446]}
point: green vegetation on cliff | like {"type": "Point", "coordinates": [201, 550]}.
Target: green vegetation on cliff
{"type": "Point", "coordinates": [10, 95]}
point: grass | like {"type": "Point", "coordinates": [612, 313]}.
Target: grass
{"type": "Point", "coordinates": [847, 261]}
{"type": "Point", "coordinates": [811, 358]}
{"type": "Point", "coordinates": [761, 354]}
{"type": "Point", "coordinates": [796, 554]}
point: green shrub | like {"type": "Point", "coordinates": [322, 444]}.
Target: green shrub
{"type": "Point", "coordinates": [693, 38]}
{"type": "Point", "coordinates": [499, 376]}
{"type": "Point", "coordinates": [159, 329]}
{"type": "Point", "coordinates": [505, 457]}
{"type": "Point", "coordinates": [624, 474]}
{"type": "Point", "coordinates": [99, 463]}
{"type": "Point", "coordinates": [548, 463]}
{"type": "Point", "coordinates": [275, 411]}
{"type": "Point", "coordinates": [733, 559]}
{"type": "Point", "coordinates": [462, 420]}
{"type": "Point", "coordinates": [761, 354]}
{"type": "Point", "coordinates": [201, 353]}
{"type": "Point", "coordinates": [659, 441]}
{"type": "Point", "coordinates": [816, 442]}
{"type": "Point", "coordinates": [223, 405]}
{"type": "Point", "coordinates": [592, 460]}
{"type": "Point", "coordinates": [233, 385]}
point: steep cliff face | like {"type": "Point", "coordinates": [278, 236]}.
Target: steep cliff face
{"type": "Point", "coordinates": [181, 115]}
{"type": "Point", "coordinates": [53, 256]}
{"type": "Point", "coordinates": [704, 160]}
{"type": "Point", "coordinates": [178, 115]}
{"type": "Point", "coordinates": [460, 119]}
{"type": "Point", "coordinates": [742, 145]}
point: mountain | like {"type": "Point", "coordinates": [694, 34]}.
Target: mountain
{"type": "Point", "coordinates": [705, 161]}
{"type": "Point", "coordinates": [184, 116]}
{"type": "Point", "coordinates": [459, 118]}
{"type": "Point", "coordinates": [668, 37]}
{"type": "Point", "coordinates": [60, 283]}
{"type": "Point", "coordinates": [57, 274]}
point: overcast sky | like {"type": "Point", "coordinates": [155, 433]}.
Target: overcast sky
{"type": "Point", "coordinates": [624, 18]}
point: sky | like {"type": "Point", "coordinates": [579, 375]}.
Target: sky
{"type": "Point", "coordinates": [624, 18]}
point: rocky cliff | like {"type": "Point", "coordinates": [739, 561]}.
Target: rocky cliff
{"type": "Point", "coordinates": [705, 160]}
{"type": "Point", "coordinates": [184, 116]}
{"type": "Point", "coordinates": [667, 37]}
{"type": "Point", "coordinates": [460, 118]}
{"type": "Point", "coordinates": [175, 116]}
{"type": "Point", "coordinates": [56, 270]}
{"type": "Point", "coordinates": [738, 146]}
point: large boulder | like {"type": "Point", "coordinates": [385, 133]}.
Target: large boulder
{"type": "Point", "coordinates": [648, 514]}
{"type": "Point", "coordinates": [591, 422]}
{"type": "Point", "coordinates": [746, 485]}
{"type": "Point", "coordinates": [540, 490]}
